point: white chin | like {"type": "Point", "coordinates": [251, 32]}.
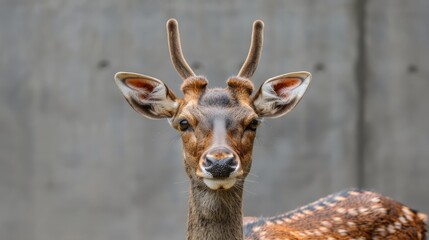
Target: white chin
{"type": "Point", "coordinates": [216, 184]}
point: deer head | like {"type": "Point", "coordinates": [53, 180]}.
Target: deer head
{"type": "Point", "coordinates": [217, 126]}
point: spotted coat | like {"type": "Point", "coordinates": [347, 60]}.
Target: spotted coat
{"type": "Point", "coordinates": [349, 214]}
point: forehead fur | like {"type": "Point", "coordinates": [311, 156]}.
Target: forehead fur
{"type": "Point", "coordinates": [232, 115]}
{"type": "Point", "coordinates": [223, 104]}
{"type": "Point", "coordinates": [217, 97]}
{"type": "Point", "coordinates": [238, 90]}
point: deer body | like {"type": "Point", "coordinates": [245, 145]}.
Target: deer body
{"type": "Point", "coordinates": [349, 214]}
{"type": "Point", "coordinates": [218, 127]}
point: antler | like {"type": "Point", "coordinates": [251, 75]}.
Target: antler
{"type": "Point", "coordinates": [249, 66]}
{"type": "Point", "coordinates": [176, 54]}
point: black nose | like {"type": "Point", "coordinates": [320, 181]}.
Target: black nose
{"type": "Point", "coordinates": [220, 163]}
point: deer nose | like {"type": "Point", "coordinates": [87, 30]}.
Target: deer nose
{"type": "Point", "coordinates": [220, 163]}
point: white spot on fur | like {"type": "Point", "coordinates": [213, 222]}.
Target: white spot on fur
{"type": "Point", "coordinates": [351, 224]}
{"type": "Point", "coordinates": [352, 212]}
{"type": "Point", "coordinates": [375, 206]}
{"type": "Point", "coordinates": [326, 224]}
{"type": "Point", "coordinates": [398, 225]}
{"type": "Point", "coordinates": [340, 198]}
{"type": "Point", "coordinates": [308, 212]}
{"type": "Point", "coordinates": [406, 210]}
{"type": "Point", "coordinates": [391, 229]}
{"type": "Point", "coordinates": [338, 220]}
{"type": "Point", "coordinates": [342, 232]}
{"type": "Point", "coordinates": [381, 210]}
{"type": "Point", "coordinates": [363, 210]}
{"type": "Point", "coordinates": [382, 231]}
{"type": "Point", "coordinates": [403, 220]}
{"type": "Point", "coordinates": [318, 207]}
{"type": "Point", "coordinates": [422, 217]}
{"type": "Point", "coordinates": [341, 210]}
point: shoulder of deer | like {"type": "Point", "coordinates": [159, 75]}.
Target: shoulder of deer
{"type": "Point", "coordinates": [349, 214]}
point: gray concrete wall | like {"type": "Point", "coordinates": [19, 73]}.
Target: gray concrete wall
{"type": "Point", "coordinates": [77, 163]}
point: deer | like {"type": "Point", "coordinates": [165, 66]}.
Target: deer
{"type": "Point", "coordinates": [217, 127]}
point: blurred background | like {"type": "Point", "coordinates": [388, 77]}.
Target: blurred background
{"type": "Point", "coordinates": [77, 163]}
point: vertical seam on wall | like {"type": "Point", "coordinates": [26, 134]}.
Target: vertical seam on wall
{"type": "Point", "coordinates": [360, 78]}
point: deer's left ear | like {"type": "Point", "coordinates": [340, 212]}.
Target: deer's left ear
{"type": "Point", "coordinates": [278, 95]}
{"type": "Point", "coordinates": [147, 95]}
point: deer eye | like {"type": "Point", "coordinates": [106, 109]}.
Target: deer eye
{"type": "Point", "coordinates": [253, 125]}
{"type": "Point", "coordinates": [184, 125]}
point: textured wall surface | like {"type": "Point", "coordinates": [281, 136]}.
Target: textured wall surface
{"type": "Point", "coordinates": [77, 163]}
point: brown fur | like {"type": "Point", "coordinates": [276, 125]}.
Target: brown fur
{"type": "Point", "coordinates": [193, 87]}
{"type": "Point", "coordinates": [241, 87]}
{"type": "Point", "coordinates": [215, 214]}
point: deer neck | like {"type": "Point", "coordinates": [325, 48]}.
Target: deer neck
{"type": "Point", "coordinates": [215, 214]}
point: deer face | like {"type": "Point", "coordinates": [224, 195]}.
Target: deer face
{"type": "Point", "coordinates": [217, 126]}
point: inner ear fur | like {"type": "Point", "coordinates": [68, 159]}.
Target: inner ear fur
{"type": "Point", "coordinates": [147, 95]}
{"type": "Point", "coordinates": [279, 95]}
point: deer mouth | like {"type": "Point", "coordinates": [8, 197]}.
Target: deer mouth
{"type": "Point", "coordinates": [219, 174]}
{"type": "Point", "coordinates": [219, 184]}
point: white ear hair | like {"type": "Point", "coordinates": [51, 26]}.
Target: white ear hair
{"type": "Point", "coordinates": [147, 95]}
{"type": "Point", "coordinates": [280, 94]}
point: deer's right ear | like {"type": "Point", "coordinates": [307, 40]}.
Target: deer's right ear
{"type": "Point", "coordinates": [147, 95]}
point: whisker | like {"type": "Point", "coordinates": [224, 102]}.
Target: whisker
{"type": "Point", "coordinates": [250, 181]}
{"type": "Point", "coordinates": [184, 181]}
{"type": "Point", "coordinates": [174, 139]}
{"type": "Point", "coordinates": [249, 192]}
{"type": "Point", "coordinates": [252, 174]}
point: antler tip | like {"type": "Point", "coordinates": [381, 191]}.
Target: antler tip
{"type": "Point", "coordinates": [258, 24]}
{"type": "Point", "coordinates": [172, 24]}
